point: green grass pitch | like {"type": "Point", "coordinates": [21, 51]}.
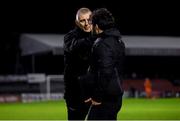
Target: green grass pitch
{"type": "Point", "coordinates": [158, 109]}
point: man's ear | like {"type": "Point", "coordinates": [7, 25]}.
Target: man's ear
{"type": "Point", "coordinates": [98, 30]}
{"type": "Point", "coordinates": [76, 22]}
{"type": "Point", "coordinates": [96, 26]}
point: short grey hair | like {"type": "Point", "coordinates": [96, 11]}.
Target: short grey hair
{"type": "Point", "coordinates": [83, 10]}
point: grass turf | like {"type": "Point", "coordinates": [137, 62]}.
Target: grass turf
{"type": "Point", "coordinates": [158, 109]}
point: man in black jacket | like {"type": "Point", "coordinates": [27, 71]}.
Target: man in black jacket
{"type": "Point", "coordinates": [77, 47]}
{"type": "Point", "coordinates": [106, 68]}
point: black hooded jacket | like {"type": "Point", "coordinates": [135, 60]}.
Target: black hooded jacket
{"type": "Point", "coordinates": [105, 74]}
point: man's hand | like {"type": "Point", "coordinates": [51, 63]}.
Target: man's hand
{"type": "Point", "coordinates": [88, 100]}
{"type": "Point", "coordinates": [95, 103]}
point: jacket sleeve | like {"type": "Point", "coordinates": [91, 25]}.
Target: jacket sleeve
{"type": "Point", "coordinates": [86, 84]}
{"type": "Point", "coordinates": [73, 43]}
{"type": "Point", "coordinates": [104, 63]}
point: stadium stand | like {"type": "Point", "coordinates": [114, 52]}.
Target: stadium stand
{"type": "Point", "coordinates": [160, 87]}
{"type": "Point", "coordinates": [43, 53]}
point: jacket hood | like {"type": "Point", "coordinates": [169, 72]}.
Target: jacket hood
{"type": "Point", "coordinates": [111, 32]}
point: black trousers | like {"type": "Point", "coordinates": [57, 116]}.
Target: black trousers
{"type": "Point", "coordinates": [108, 110]}
{"type": "Point", "coordinates": [77, 111]}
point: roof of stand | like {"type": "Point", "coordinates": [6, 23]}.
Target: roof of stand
{"type": "Point", "coordinates": [135, 45]}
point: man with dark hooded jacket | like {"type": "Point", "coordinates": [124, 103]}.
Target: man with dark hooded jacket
{"type": "Point", "coordinates": [106, 68]}
{"type": "Point", "coordinates": [77, 47]}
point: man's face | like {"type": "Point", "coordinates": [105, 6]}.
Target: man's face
{"type": "Point", "coordinates": [83, 22]}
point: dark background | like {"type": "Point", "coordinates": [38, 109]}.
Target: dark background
{"type": "Point", "coordinates": [132, 17]}
{"type": "Point", "coordinates": [156, 18]}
